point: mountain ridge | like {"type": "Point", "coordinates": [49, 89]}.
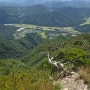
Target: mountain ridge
{"type": "Point", "coordinates": [71, 3]}
{"type": "Point", "coordinates": [44, 16]}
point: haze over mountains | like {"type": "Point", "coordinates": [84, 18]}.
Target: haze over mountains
{"type": "Point", "coordinates": [65, 3]}
{"type": "Point", "coordinates": [43, 15]}
{"type": "Point", "coordinates": [47, 13]}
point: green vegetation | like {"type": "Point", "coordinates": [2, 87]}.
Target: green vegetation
{"type": "Point", "coordinates": [83, 28]}
{"type": "Point", "coordinates": [87, 22]}
{"type": "Point", "coordinates": [7, 31]}
{"type": "Point", "coordinates": [26, 73]}
{"type": "Point", "coordinates": [18, 31]}
{"type": "Point", "coordinates": [25, 35]}
{"type": "Point", "coordinates": [15, 75]}
{"type": "Point", "coordinates": [43, 35]}
{"type": "Point", "coordinates": [45, 32]}
{"type": "Point", "coordinates": [77, 48]}
{"type": "Point", "coordinates": [44, 16]}
{"type": "Point", "coordinates": [18, 48]}
{"type": "Point", "coordinates": [33, 70]}
{"type": "Point", "coordinates": [38, 54]}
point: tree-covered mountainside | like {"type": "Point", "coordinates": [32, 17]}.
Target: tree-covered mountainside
{"type": "Point", "coordinates": [40, 51]}
{"type": "Point", "coordinates": [42, 15]}
{"type": "Point", "coordinates": [7, 32]}
{"type": "Point", "coordinates": [32, 71]}
{"type": "Point", "coordinates": [75, 48]}
{"type": "Point", "coordinates": [18, 48]}
{"type": "Point", "coordinates": [83, 28]}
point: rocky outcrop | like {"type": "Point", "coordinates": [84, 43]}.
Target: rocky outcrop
{"type": "Point", "coordinates": [72, 82]}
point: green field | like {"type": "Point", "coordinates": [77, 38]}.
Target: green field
{"type": "Point", "coordinates": [87, 21]}
{"type": "Point", "coordinates": [44, 31]}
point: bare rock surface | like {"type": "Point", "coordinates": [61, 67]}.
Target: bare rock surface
{"type": "Point", "coordinates": [71, 83]}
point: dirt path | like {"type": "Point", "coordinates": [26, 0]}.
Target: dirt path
{"type": "Point", "coordinates": [71, 83]}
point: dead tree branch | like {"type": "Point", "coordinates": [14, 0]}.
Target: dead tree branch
{"type": "Point", "coordinates": [59, 64]}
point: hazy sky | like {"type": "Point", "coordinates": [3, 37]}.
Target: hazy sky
{"type": "Point", "coordinates": [32, 0]}
{"type": "Point", "coordinates": [37, 0]}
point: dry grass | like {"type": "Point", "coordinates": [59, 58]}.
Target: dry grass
{"type": "Point", "coordinates": [24, 81]}
{"type": "Point", "coordinates": [85, 74]}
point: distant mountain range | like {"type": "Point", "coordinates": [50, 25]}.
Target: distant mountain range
{"type": "Point", "coordinates": [55, 13]}
{"type": "Point", "coordinates": [74, 4]}
{"type": "Point", "coordinates": [43, 15]}
{"type": "Point", "coordinates": [67, 13]}
{"type": "Point", "coordinates": [53, 3]}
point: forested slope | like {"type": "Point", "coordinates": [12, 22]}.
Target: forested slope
{"type": "Point", "coordinates": [33, 70]}
{"type": "Point", "coordinates": [18, 48]}
{"type": "Point", "coordinates": [43, 15]}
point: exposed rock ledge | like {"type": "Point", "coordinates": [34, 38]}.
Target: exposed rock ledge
{"type": "Point", "coordinates": [71, 83]}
